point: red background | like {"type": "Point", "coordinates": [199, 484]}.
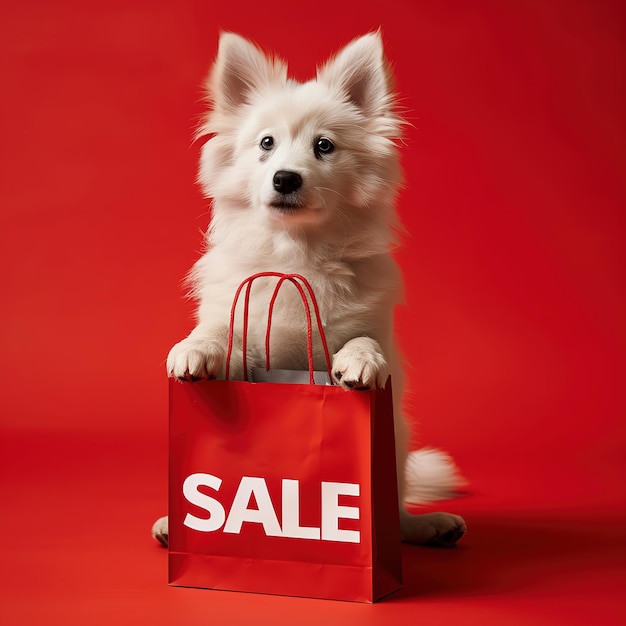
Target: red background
{"type": "Point", "coordinates": [514, 208]}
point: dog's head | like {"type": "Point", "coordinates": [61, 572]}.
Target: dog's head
{"type": "Point", "coordinates": [298, 154]}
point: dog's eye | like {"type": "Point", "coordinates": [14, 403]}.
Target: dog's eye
{"type": "Point", "coordinates": [323, 146]}
{"type": "Point", "coordinates": [267, 143]}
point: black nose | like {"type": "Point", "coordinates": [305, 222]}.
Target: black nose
{"type": "Point", "coordinates": [286, 182]}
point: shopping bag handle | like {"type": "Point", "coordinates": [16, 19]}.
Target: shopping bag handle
{"type": "Point", "coordinates": [301, 283]}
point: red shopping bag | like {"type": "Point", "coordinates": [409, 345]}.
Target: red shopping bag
{"type": "Point", "coordinates": [285, 489]}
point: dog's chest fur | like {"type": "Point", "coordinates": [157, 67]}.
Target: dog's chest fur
{"type": "Point", "coordinates": [348, 292]}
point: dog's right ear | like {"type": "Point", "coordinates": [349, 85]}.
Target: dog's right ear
{"type": "Point", "coordinates": [241, 69]}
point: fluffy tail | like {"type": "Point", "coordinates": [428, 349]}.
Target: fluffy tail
{"type": "Point", "coordinates": [431, 475]}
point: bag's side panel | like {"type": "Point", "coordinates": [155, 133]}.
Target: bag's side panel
{"type": "Point", "coordinates": [387, 555]}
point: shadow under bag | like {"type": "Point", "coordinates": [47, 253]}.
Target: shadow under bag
{"type": "Point", "coordinates": [281, 487]}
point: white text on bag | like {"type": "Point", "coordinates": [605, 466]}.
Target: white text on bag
{"type": "Point", "coordinates": [265, 513]}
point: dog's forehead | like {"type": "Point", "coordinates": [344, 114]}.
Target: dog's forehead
{"type": "Point", "coordinates": [301, 108]}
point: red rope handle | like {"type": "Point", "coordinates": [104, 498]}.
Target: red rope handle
{"type": "Point", "coordinates": [320, 326]}
{"type": "Point", "coordinates": [244, 338]}
{"type": "Point", "coordinates": [231, 328]}
{"type": "Point", "coordinates": [309, 328]}
{"type": "Point", "coordinates": [293, 278]}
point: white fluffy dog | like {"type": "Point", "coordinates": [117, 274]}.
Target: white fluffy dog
{"type": "Point", "coordinates": [303, 179]}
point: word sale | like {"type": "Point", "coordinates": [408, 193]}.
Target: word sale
{"type": "Point", "coordinates": [265, 513]}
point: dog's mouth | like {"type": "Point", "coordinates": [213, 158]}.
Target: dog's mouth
{"type": "Point", "coordinates": [293, 209]}
{"type": "Point", "coordinates": [287, 206]}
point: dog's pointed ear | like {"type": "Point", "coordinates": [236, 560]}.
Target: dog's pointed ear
{"type": "Point", "coordinates": [361, 72]}
{"type": "Point", "coordinates": [240, 70]}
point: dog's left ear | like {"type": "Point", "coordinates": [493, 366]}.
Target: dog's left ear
{"type": "Point", "coordinates": [361, 72]}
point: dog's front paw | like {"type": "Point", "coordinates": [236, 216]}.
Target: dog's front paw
{"type": "Point", "coordinates": [360, 364]}
{"type": "Point", "coordinates": [193, 359]}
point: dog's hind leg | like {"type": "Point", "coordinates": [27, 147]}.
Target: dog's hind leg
{"type": "Point", "coordinates": [423, 476]}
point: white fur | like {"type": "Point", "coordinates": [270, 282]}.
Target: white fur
{"type": "Point", "coordinates": [430, 475]}
{"type": "Point", "coordinates": [338, 228]}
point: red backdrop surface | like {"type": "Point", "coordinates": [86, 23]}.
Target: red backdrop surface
{"type": "Point", "coordinates": [514, 207]}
